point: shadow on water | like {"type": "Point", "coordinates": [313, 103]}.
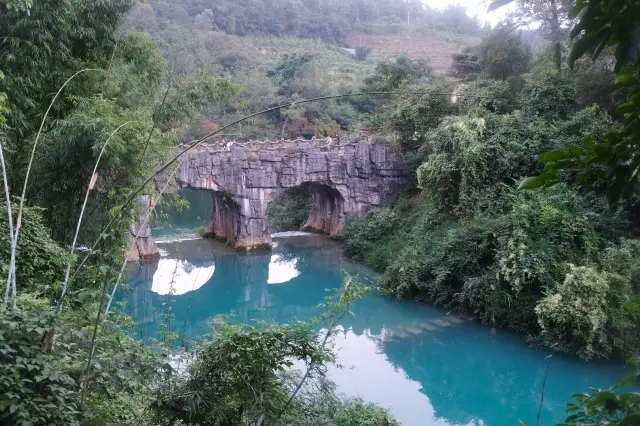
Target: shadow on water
{"type": "Point", "coordinates": [430, 368]}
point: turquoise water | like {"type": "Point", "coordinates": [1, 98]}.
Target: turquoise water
{"type": "Point", "coordinates": [427, 367]}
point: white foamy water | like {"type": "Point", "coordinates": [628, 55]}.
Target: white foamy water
{"type": "Point", "coordinates": [290, 234]}
{"type": "Point", "coordinates": [177, 239]}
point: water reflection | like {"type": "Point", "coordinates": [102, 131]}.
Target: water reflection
{"type": "Point", "coordinates": [428, 367]}
{"type": "Point", "coordinates": [178, 277]}
{"type": "Point", "coordinates": [282, 270]}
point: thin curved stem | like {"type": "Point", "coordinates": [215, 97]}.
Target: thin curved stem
{"type": "Point", "coordinates": [135, 240]}
{"type": "Point", "coordinates": [85, 385]}
{"type": "Point", "coordinates": [14, 241]}
{"type": "Point", "coordinates": [155, 121]}
{"type": "Point", "coordinates": [84, 205]}
{"type": "Point", "coordinates": [92, 346]}
{"type": "Point", "coordinates": [10, 215]}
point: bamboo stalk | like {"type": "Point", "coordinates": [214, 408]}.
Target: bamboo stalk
{"type": "Point", "coordinates": [14, 241]}
{"type": "Point", "coordinates": [92, 181]}
{"type": "Point", "coordinates": [10, 215]}
{"type": "Point", "coordinates": [135, 240]}
{"type": "Point", "coordinates": [92, 346]}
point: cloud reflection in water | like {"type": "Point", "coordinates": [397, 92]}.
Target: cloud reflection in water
{"type": "Point", "coordinates": [188, 277]}
{"type": "Point", "coordinates": [282, 270]}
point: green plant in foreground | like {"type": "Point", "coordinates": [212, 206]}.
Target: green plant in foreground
{"type": "Point", "coordinates": [244, 375]}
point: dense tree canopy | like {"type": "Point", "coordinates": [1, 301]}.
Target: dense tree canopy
{"type": "Point", "coordinates": [329, 20]}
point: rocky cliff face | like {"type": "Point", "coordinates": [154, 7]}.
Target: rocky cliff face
{"type": "Point", "coordinates": [345, 179]}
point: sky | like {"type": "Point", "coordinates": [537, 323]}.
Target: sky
{"type": "Point", "coordinates": [474, 7]}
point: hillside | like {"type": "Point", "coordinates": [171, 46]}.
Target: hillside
{"type": "Point", "coordinates": [437, 47]}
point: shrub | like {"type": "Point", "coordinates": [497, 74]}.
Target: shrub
{"type": "Point", "coordinates": [33, 387]}
{"type": "Point", "coordinates": [503, 54]}
{"type": "Point", "coordinates": [362, 53]}
{"type": "Point", "coordinates": [549, 95]}
{"type": "Point", "coordinates": [575, 313]}
{"type": "Point", "coordinates": [290, 210]}
{"type": "Point", "coordinates": [40, 261]}
{"type": "Point", "coordinates": [493, 95]}
{"type": "Point", "coordinates": [495, 263]}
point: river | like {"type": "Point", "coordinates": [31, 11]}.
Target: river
{"type": "Point", "coordinates": [428, 367]}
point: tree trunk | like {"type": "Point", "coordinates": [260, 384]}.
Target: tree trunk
{"type": "Point", "coordinates": [556, 35]}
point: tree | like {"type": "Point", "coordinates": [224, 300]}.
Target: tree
{"type": "Point", "coordinates": [613, 164]}
{"type": "Point", "coordinates": [552, 15]}
{"type": "Point", "coordinates": [389, 75]}
{"type": "Point", "coordinates": [37, 59]}
{"type": "Point", "coordinates": [503, 54]}
{"type": "Point", "coordinates": [204, 21]}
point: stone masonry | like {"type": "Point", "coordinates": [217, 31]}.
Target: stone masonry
{"type": "Point", "coordinates": [345, 179]}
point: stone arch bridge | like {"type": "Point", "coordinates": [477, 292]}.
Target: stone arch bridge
{"type": "Point", "coordinates": [345, 179]}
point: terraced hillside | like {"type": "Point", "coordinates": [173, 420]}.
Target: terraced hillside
{"type": "Point", "coordinates": [437, 48]}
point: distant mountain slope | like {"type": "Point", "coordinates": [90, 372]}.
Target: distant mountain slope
{"type": "Point", "coordinates": [437, 48]}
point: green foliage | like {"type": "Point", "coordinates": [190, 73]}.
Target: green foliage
{"type": "Point", "coordinates": [138, 71]}
{"type": "Point", "coordinates": [390, 75]}
{"type": "Point", "coordinates": [363, 52]}
{"type": "Point", "coordinates": [301, 19]}
{"type": "Point", "coordinates": [576, 311]}
{"type": "Point", "coordinates": [466, 65]}
{"type": "Point", "coordinates": [363, 238]}
{"type": "Point", "coordinates": [41, 387]}
{"type": "Point", "coordinates": [70, 35]}
{"type": "Point", "coordinates": [357, 412]}
{"type": "Point", "coordinates": [469, 155]}
{"type": "Point", "coordinates": [236, 376]}
{"type": "Point", "coordinates": [243, 375]}
{"type": "Point", "coordinates": [594, 80]}
{"type": "Point", "coordinates": [19, 5]}
{"type": "Point", "coordinates": [40, 261]}
{"type": "Point", "coordinates": [613, 164]}
{"type": "Point", "coordinates": [549, 95]}
{"type": "Point", "coordinates": [472, 241]}
{"type": "Point", "coordinates": [492, 95]}
{"type": "Point", "coordinates": [290, 210]}
{"type": "Point", "coordinates": [188, 97]}
{"type": "Point", "coordinates": [614, 406]}
{"type": "Point", "coordinates": [65, 162]}
{"type": "Point", "coordinates": [412, 116]}
{"type": "Point", "coordinates": [503, 54]}
{"type": "Point", "coordinates": [34, 389]}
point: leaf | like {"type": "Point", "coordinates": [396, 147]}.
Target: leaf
{"type": "Point", "coordinates": [631, 420]}
{"type": "Point", "coordinates": [523, 423]}
{"type": "Point", "coordinates": [579, 48]}
{"type": "Point", "coordinates": [560, 154]}
{"type": "Point", "coordinates": [577, 10]}
{"type": "Point", "coordinates": [497, 4]}
{"type": "Point", "coordinates": [542, 180]}
{"type": "Point", "coordinates": [626, 108]}
{"type": "Point", "coordinates": [602, 38]}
